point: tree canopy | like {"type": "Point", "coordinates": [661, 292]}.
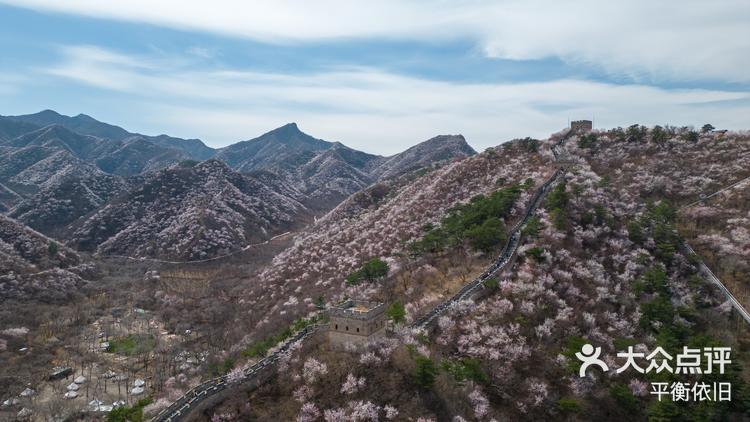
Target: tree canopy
{"type": "Point", "coordinates": [396, 312]}
{"type": "Point", "coordinates": [478, 222]}
{"type": "Point", "coordinates": [370, 271]}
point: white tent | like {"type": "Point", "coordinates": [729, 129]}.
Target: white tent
{"type": "Point", "coordinates": [71, 395]}
{"type": "Point", "coordinates": [73, 387]}
{"type": "Point", "coordinates": [10, 402]}
{"type": "Point", "coordinates": [136, 391]}
{"type": "Point", "coordinates": [80, 379]}
{"type": "Point", "coordinates": [27, 392]}
{"type": "Point", "coordinates": [139, 383]}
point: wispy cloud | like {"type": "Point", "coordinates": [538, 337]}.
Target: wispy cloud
{"type": "Point", "coordinates": [668, 40]}
{"type": "Point", "coordinates": [376, 110]}
{"type": "Point", "coordinates": [10, 82]}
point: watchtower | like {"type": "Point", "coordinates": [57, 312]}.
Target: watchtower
{"type": "Point", "coordinates": [355, 322]}
{"type": "Point", "coordinates": [581, 126]}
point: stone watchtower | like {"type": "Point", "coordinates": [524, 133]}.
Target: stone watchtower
{"type": "Point", "coordinates": [355, 322]}
{"type": "Point", "coordinates": [581, 126]}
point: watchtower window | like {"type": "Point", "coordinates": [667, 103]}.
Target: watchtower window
{"type": "Point", "coordinates": [337, 326]}
{"type": "Point", "coordinates": [357, 329]}
{"type": "Point", "coordinates": [347, 328]}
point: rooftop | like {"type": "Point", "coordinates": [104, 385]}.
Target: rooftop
{"type": "Point", "coordinates": [359, 309]}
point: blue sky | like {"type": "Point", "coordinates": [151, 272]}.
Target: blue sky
{"type": "Point", "coordinates": [379, 77]}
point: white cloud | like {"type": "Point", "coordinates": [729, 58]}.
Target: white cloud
{"type": "Point", "coordinates": [378, 111]}
{"type": "Point", "coordinates": [645, 39]}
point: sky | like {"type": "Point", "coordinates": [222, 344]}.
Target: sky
{"type": "Point", "coordinates": [377, 76]}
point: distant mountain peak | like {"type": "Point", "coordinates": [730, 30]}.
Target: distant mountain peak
{"type": "Point", "coordinates": [446, 141]}
{"type": "Point", "coordinates": [287, 132]}
{"type": "Point", "coordinates": [48, 112]}
{"type": "Point", "coordinates": [446, 138]}
{"type": "Point", "coordinates": [436, 149]}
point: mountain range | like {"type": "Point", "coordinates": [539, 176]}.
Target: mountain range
{"type": "Point", "coordinates": [99, 187]}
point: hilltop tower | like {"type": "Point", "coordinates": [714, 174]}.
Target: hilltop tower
{"type": "Point", "coordinates": [356, 322]}
{"type": "Point", "coordinates": [581, 126]}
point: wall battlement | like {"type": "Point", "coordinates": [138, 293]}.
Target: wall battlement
{"type": "Point", "coordinates": [581, 125]}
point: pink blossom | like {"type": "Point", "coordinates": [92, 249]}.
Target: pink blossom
{"type": "Point", "coordinates": [352, 384]}
{"type": "Point", "coordinates": [313, 369]}
{"type": "Point", "coordinates": [390, 412]}
{"type": "Point", "coordinates": [364, 411]}
{"type": "Point", "coordinates": [308, 413]}
{"type": "Point", "coordinates": [537, 391]}
{"type": "Point", "coordinates": [303, 393]}
{"type": "Point", "coordinates": [15, 331]}
{"type": "Point", "coordinates": [369, 358]}
{"type": "Point", "coordinates": [638, 387]}
{"type": "Point", "coordinates": [335, 415]}
{"type": "Point", "coordinates": [222, 417]}
{"type": "Point", "coordinates": [480, 403]}
{"type": "Point", "coordinates": [236, 375]}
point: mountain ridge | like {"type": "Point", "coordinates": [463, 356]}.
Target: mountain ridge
{"type": "Point", "coordinates": [13, 126]}
{"type": "Point", "coordinates": [66, 184]}
{"type": "Point", "coordinates": [87, 125]}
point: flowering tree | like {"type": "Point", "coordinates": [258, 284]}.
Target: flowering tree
{"type": "Point", "coordinates": [313, 369]}
{"type": "Point", "coordinates": [352, 384]}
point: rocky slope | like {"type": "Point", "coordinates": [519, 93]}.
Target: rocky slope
{"type": "Point", "coordinates": [67, 196]}
{"type": "Point", "coordinates": [190, 213]}
{"type": "Point", "coordinates": [719, 231]}
{"type": "Point", "coordinates": [437, 149]}
{"type": "Point", "coordinates": [47, 187]}
{"type": "Point", "coordinates": [11, 128]}
{"type": "Point", "coordinates": [511, 356]}
{"type": "Point", "coordinates": [682, 165]}
{"type": "Point", "coordinates": [673, 163]}
{"type": "Point", "coordinates": [581, 276]}
{"type": "Point", "coordinates": [378, 222]}
{"type": "Point", "coordinates": [33, 266]}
